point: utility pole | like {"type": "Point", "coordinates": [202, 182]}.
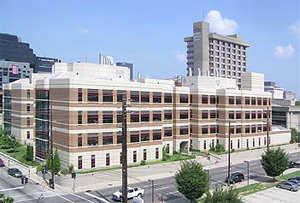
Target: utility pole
{"type": "Point", "coordinates": [124, 148]}
{"type": "Point", "coordinates": [152, 192]}
{"type": "Point", "coordinates": [51, 146]}
{"type": "Point", "coordinates": [268, 143]}
{"type": "Point", "coordinates": [229, 148]}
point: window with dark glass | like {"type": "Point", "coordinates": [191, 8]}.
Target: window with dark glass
{"type": "Point", "coordinates": [231, 129]}
{"type": "Point", "coordinates": [28, 134]}
{"type": "Point", "coordinates": [168, 97]}
{"type": "Point", "coordinates": [247, 101]}
{"type": "Point", "coordinates": [107, 160]}
{"type": "Point", "coordinates": [238, 100]}
{"type": "Point", "coordinates": [134, 136]}
{"type": "Point", "coordinates": [265, 101]}
{"type": "Point", "coordinates": [92, 117]}
{"type": "Point", "coordinates": [231, 100]}
{"type": "Point", "coordinates": [168, 132]}
{"type": "Point", "coordinates": [253, 129]}
{"type": "Point", "coordinates": [79, 162]}
{"type": "Point", "coordinates": [265, 127]}
{"type": "Point", "coordinates": [28, 121]}
{"type": "Point", "coordinates": [247, 129]}
{"type": "Point", "coordinates": [156, 134]}
{"type": "Point", "coordinates": [119, 137]}
{"type": "Point", "coordinates": [79, 117]}
{"type": "Point", "coordinates": [92, 139]}
{"type": "Point", "coordinates": [204, 99]}
{"type": "Point", "coordinates": [205, 129]}
{"type": "Point", "coordinates": [247, 115]}
{"type": "Point", "coordinates": [145, 116]}
{"type": "Point", "coordinates": [253, 142]}
{"type": "Point", "coordinates": [212, 99]}
{"type": "Point", "coordinates": [204, 114]}
{"type": "Point", "coordinates": [134, 116]}
{"type": "Point", "coordinates": [144, 154]}
{"type": "Point", "coordinates": [134, 157]}
{"type": "Point", "coordinates": [213, 129]}
{"type": "Point", "coordinates": [258, 128]}
{"type": "Point", "coordinates": [107, 96]}
{"type": "Point", "coordinates": [93, 161]}
{"type": "Point", "coordinates": [204, 144]}
{"type": "Point", "coordinates": [253, 101]}
{"type": "Point", "coordinates": [107, 138]}
{"type": "Point", "coordinates": [28, 108]}
{"type": "Point", "coordinates": [156, 116]}
{"type": "Point", "coordinates": [265, 140]}
{"type": "Point", "coordinates": [80, 94]}
{"type": "Point", "coordinates": [79, 140]}
{"type": "Point", "coordinates": [107, 117]}
{"type": "Point", "coordinates": [156, 153]}
{"type": "Point", "coordinates": [253, 115]}
{"type": "Point", "coordinates": [265, 113]}
{"type": "Point", "coordinates": [156, 97]}
{"type": "Point", "coordinates": [238, 144]}
{"type": "Point", "coordinates": [231, 114]}
{"type": "Point", "coordinates": [119, 117]}
{"type": "Point", "coordinates": [184, 130]}
{"type": "Point", "coordinates": [259, 114]}
{"type": "Point", "coordinates": [28, 94]}
{"type": "Point", "coordinates": [184, 98]}
{"type": "Point", "coordinates": [238, 114]}
{"type": "Point", "coordinates": [121, 157]}
{"type": "Point", "coordinates": [134, 96]}
{"type": "Point", "coordinates": [184, 114]}
{"type": "Point", "coordinates": [258, 101]}
{"type": "Point", "coordinates": [168, 114]}
{"type": "Point", "coordinates": [92, 95]}
{"type": "Point", "coordinates": [213, 114]}
{"type": "Point", "coordinates": [120, 95]}
{"type": "Point", "coordinates": [145, 136]}
{"type": "Point", "coordinates": [145, 97]}
{"type": "Point", "coordinates": [238, 129]}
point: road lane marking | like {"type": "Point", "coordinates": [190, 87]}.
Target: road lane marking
{"type": "Point", "coordinates": [253, 164]}
{"type": "Point", "coordinates": [96, 197]}
{"type": "Point", "coordinates": [65, 198]}
{"type": "Point", "coordinates": [82, 198]}
{"type": "Point", "coordinates": [14, 188]}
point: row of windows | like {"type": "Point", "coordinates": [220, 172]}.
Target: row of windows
{"type": "Point", "coordinates": [212, 99]}
{"type": "Point", "coordinates": [248, 114]}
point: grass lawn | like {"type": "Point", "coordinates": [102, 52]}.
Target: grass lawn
{"type": "Point", "coordinates": [19, 155]}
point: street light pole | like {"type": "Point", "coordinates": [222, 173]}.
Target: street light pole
{"type": "Point", "coordinates": [248, 170]}
{"type": "Point", "coordinates": [152, 193]}
{"type": "Point", "coordinates": [124, 148]}
{"type": "Point", "coordinates": [229, 148]}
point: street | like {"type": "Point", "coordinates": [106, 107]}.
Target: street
{"type": "Point", "coordinates": [31, 192]}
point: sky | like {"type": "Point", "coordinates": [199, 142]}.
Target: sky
{"type": "Point", "coordinates": [150, 33]}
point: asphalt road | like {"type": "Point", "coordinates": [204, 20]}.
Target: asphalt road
{"type": "Point", "coordinates": [31, 192]}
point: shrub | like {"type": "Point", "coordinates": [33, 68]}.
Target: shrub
{"type": "Point", "coordinates": [220, 148]}
{"type": "Point", "coordinates": [143, 162]}
{"type": "Point", "coordinates": [29, 153]}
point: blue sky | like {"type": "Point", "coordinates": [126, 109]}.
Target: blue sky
{"type": "Point", "coordinates": [150, 34]}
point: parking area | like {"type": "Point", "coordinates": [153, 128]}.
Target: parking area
{"type": "Point", "coordinates": [274, 195]}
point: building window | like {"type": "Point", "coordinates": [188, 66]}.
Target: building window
{"type": "Point", "coordinates": [204, 144]}
{"type": "Point", "coordinates": [253, 101]}
{"type": "Point", "coordinates": [107, 138]}
{"type": "Point", "coordinates": [265, 140]}
{"type": "Point", "coordinates": [231, 100]}
{"type": "Point", "coordinates": [259, 114]}
{"type": "Point", "coordinates": [247, 115]}
{"type": "Point", "coordinates": [134, 136]}
{"type": "Point", "coordinates": [93, 161]}
{"type": "Point", "coordinates": [145, 136]}
{"type": "Point", "coordinates": [119, 137]}
{"type": "Point", "coordinates": [265, 101]}
{"type": "Point", "coordinates": [28, 94]}
{"type": "Point", "coordinates": [168, 115]}
{"type": "Point", "coordinates": [156, 116]}
{"type": "Point", "coordinates": [79, 162]}
{"type": "Point", "coordinates": [28, 121]}
{"type": "Point", "coordinates": [231, 144]}
{"type": "Point", "coordinates": [204, 129]}
{"type": "Point", "coordinates": [134, 157]}
{"type": "Point", "coordinates": [156, 153]}
{"type": "Point", "coordinates": [119, 117]}
{"type": "Point", "coordinates": [253, 142]}
{"type": "Point", "coordinates": [231, 114]}
{"type": "Point", "coordinates": [238, 129]}
{"type": "Point", "coordinates": [265, 113]}
{"type": "Point", "coordinates": [107, 117]}
{"type": "Point", "coordinates": [145, 116]}
{"type": "Point", "coordinates": [238, 114]}
{"type": "Point", "coordinates": [28, 108]}
{"type": "Point", "coordinates": [184, 130]}
{"type": "Point", "coordinates": [80, 94]}
{"type": "Point", "coordinates": [253, 129]}
{"type": "Point", "coordinates": [79, 117]}
{"type": "Point", "coordinates": [258, 141]}
{"type": "Point", "coordinates": [184, 114]}
{"type": "Point", "coordinates": [204, 99]}
{"type": "Point", "coordinates": [92, 95]}
{"type": "Point", "coordinates": [247, 101]}
{"type": "Point", "coordinates": [92, 117]}
{"type": "Point", "coordinates": [107, 96]}
{"type": "Point", "coordinates": [231, 129]}
{"type": "Point", "coordinates": [120, 95]}
{"type": "Point", "coordinates": [145, 154]}
{"type": "Point", "coordinates": [134, 117]}
{"type": "Point", "coordinates": [238, 100]}
{"type": "Point", "coordinates": [238, 144]}
{"type": "Point", "coordinates": [156, 134]}
{"type": "Point", "coordinates": [28, 134]}
{"type": "Point", "coordinates": [213, 114]}
{"type": "Point", "coordinates": [247, 143]}
{"type": "Point", "coordinates": [92, 139]}
{"type": "Point", "coordinates": [259, 128]}
{"type": "Point", "coordinates": [145, 97]}
{"type": "Point", "coordinates": [79, 140]}
{"type": "Point", "coordinates": [134, 96]}
{"type": "Point", "coordinates": [168, 98]}
{"type": "Point", "coordinates": [212, 99]}
{"type": "Point", "coordinates": [213, 129]}
{"type": "Point", "coordinates": [168, 132]}
{"type": "Point", "coordinates": [121, 158]}
{"type": "Point", "coordinates": [156, 97]}
{"type": "Point", "coordinates": [247, 129]}
{"type": "Point", "coordinates": [107, 159]}
{"type": "Point", "coordinates": [184, 98]}
{"type": "Point", "coordinates": [204, 114]}
{"type": "Point", "coordinates": [253, 115]}
{"type": "Point", "coordinates": [259, 101]}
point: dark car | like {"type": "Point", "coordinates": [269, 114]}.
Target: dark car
{"type": "Point", "coordinates": [296, 178]}
{"type": "Point", "coordinates": [235, 177]}
{"type": "Point", "coordinates": [2, 163]}
{"type": "Point", "coordinates": [287, 185]}
{"type": "Point", "coordinates": [296, 182]}
{"type": "Point", "coordinates": [15, 172]}
{"type": "Point", "coordinates": [294, 164]}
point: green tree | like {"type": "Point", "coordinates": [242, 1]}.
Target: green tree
{"type": "Point", "coordinates": [274, 162]}
{"type": "Point", "coordinates": [48, 160]}
{"type": "Point", "coordinates": [294, 135]}
{"type": "Point", "coordinates": [4, 199]}
{"type": "Point", "coordinates": [191, 180]}
{"type": "Point", "coordinates": [221, 195]}
{"type": "Point", "coordinates": [219, 148]}
{"type": "Point", "coordinates": [165, 149]}
{"type": "Point", "coordinates": [56, 162]}
{"type": "Point", "coordinates": [29, 153]}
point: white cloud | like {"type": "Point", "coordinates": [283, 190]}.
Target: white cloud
{"type": "Point", "coordinates": [219, 24]}
{"type": "Point", "coordinates": [83, 31]}
{"type": "Point", "coordinates": [179, 56]}
{"type": "Point", "coordinates": [283, 52]}
{"type": "Point", "coordinates": [295, 28]}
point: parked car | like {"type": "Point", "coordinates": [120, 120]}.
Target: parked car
{"type": "Point", "coordinates": [2, 163]}
{"type": "Point", "coordinates": [235, 177]}
{"type": "Point", "coordinates": [131, 193]}
{"type": "Point", "coordinates": [296, 182]}
{"type": "Point", "coordinates": [287, 185]}
{"type": "Point", "coordinates": [15, 172]}
{"type": "Point", "coordinates": [295, 178]}
{"type": "Point", "coordinates": [294, 164]}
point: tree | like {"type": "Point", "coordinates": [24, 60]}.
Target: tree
{"type": "Point", "coordinates": [274, 162]}
{"type": "Point", "coordinates": [191, 180]}
{"type": "Point", "coordinates": [294, 135]}
{"type": "Point", "coordinates": [221, 195]}
{"type": "Point", "coordinates": [48, 160]}
{"type": "Point", "coordinates": [29, 153]}
{"type": "Point", "coordinates": [4, 199]}
{"type": "Point", "coordinates": [56, 162]}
